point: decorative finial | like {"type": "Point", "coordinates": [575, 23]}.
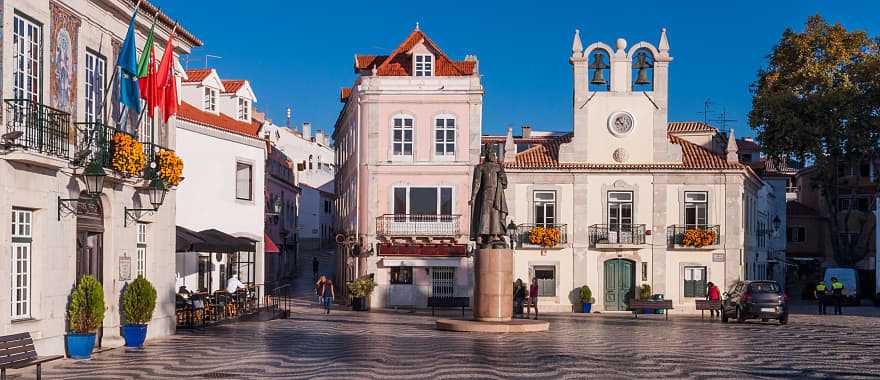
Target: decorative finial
{"type": "Point", "coordinates": [576, 46]}
{"type": "Point", "coordinates": [664, 42]}
{"type": "Point", "coordinates": [732, 149]}
{"type": "Point", "coordinates": [621, 44]}
{"type": "Point", "coordinates": [417, 26]}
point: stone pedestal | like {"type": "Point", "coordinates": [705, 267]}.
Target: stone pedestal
{"type": "Point", "coordinates": [493, 288]}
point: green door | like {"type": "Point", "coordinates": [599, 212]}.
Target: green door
{"type": "Point", "coordinates": [619, 283]}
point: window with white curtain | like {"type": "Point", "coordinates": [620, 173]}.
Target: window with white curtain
{"type": "Point", "coordinates": [22, 239]}
{"type": "Point", "coordinates": [244, 181]}
{"type": "Point", "coordinates": [444, 136]}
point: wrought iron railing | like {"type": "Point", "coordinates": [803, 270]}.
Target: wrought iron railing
{"type": "Point", "coordinates": [413, 225]}
{"type": "Point", "coordinates": [676, 234]}
{"type": "Point", "coordinates": [44, 129]}
{"type": "Point", "coordinates": [523, 231]}
{"type": "Point", "coordinates": [151, 150]}
{"type": "Point", "coordinates": [617, 234]}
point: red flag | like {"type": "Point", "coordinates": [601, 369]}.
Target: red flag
{"type": "Point", "coordinates": [167, 85]}
{"type": "Point", "coordinates": [149, 86]}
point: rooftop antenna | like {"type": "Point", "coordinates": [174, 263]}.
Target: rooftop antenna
{"type": "Point", "coordinates": [705, 112]}
{"type": "Point", "coordinates": [722, 119]}
{"type": "Point", "coordinates": [210, 56]}
{"type": "Point", "coordinates": [185, 61]}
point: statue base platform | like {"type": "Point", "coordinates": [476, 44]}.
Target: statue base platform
{"type": "Point", "coordinates": [511, 326]}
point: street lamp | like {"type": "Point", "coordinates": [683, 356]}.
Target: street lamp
{"type": "Point", "coordinates": [94, 177]}
{"type": "Point", "coordinates": [776, 223]}
{"type": "Point", "coordinates": [156, 192]}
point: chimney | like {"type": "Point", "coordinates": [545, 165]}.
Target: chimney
{"type": "Point", "coordinates": [526, 131]}
{"type": "Point", "coordinates": [307, 131]}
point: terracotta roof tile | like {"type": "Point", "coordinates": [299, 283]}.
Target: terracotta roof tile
{"type": "Point", "coordinates": [399, 62]}
{"type": "Point", "coordinates": [344, 93]}
{"type": "Point", "coordinates": [197, 75]}
{"type": "Point", "coordinates": [231, 86]}
{"type": "Point", "coordinates": [544, 154]}
{"type": "Point", "coordinates": [220, 121]}
{"type": "Point", "coordinates": [676, 127]}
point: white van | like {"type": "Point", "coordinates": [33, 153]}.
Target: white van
{"type": "Point", "coordinates": [850, 279]}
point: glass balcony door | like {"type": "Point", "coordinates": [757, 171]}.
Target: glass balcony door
{"type": "Point", "coordinates": [620, 217]}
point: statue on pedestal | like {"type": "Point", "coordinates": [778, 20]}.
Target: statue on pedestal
{"type": "Point", "coordinates": [488, 206]}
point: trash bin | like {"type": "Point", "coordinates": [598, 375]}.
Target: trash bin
{"type": "Point", "coordinates": [658, 297]}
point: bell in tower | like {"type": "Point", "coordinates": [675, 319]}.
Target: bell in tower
{"type": "Point", "coordinates": [598, 66]}
{"type": "Point", "coordinates": [642, 65]}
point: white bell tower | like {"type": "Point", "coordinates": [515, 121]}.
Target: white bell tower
{"type": "Point", "coordinates": [620, 101]}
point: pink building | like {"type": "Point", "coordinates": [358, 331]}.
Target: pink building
{"type": "Point", "coordinates": [407, 139]}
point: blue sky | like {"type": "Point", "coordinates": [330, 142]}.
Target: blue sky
{"type": "Point", "coordinates": [299, 53]}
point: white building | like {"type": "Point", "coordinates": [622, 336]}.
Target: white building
{"type": "Point", "coordinates": [225, 179]}
{"type": "Point", "coordinates": [61, 54]}
{"type": "Point", "coordinates": [627, 189]}
{"type": "Point", "coordinates": [314, 157]}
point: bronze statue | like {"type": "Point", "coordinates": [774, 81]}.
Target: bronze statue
{"type": "Point", "coordinates": [488, 206]}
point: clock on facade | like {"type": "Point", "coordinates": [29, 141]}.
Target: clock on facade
{"type": "Point", "coordinates": [621, 123]}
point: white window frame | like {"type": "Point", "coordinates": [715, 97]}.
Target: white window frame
{"type": "Point", "coordinates": [141, 267]}
{"type": "Point", "coordinates": [21, 269]}
{"type": "Point", "coordinates": [96, 73]}
{"type": "Point", "coordinates": [423, 65]}
{"type": "Point", "coordinates": [445, 135]}
{"type": "Point", "coordinates": [209, 99]}
{"type": "Point", "coordinates": [244, 109]}
{"type": "Point", "coordinates": [688, 275]}
{"type": "Point", "coordinates": [544, 291]}
{"type": "Point", "coordinates": [688, 203]}
{"type": "Point", "coordinates": [250, 185]}
{"type": "Point", "coordinates": [27, 48]}
{"type": "Point", "coordinates": [439, 198]}
{"type": "Point", "coordinates": [406, 124]}
{"type": "Point", "coordinates": [544, 202]}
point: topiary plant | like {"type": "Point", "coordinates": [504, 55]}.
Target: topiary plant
{"type": "Point", "coordinates": [645, 293]}
{"type": "Point", "coordinates": [86, 310]}
{"type": "Point", "coordinates": [587, 295]}
{"type": "Point", "coordinates": [361, 287]}
{"type": "Point", "coordinates": [138, 302]}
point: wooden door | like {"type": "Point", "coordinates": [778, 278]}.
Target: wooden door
{"type": "Point", "coordinates": [619, 283]}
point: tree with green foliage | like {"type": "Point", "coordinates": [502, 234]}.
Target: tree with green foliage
{"type": "Point", "coordinates": [818, 100]}
{"type": "Point", "coordinates": [138, 302]}
{"type": "Point", "coordinates": [86, 310]}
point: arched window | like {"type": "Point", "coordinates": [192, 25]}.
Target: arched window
{"type": "Point", "coordinates": [402, 135]}
{"type": "Point", "coordinates": [444, 135]}
{"type": "Point", "coordinates": [643, 70]}
{"type": "Point", "coordinates": [310, 161]}
{"type": "Point", "coordinates": [599, 70]}
{"type": "Point", "coordinates": [319, 162]}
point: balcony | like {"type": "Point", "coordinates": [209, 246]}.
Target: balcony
{"type": "Point", "coordinates": [523, 231]}
{"type": "Point", "coordinates": [43, 129]}
{"type": "Point", "coordinates": [604, 236]}
{"type": "Point", "coordinates": [417, 225]}
{"type": "Point", "coordinates": [694, 237]}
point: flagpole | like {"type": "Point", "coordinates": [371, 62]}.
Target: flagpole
{"type": "Point", "coordinates": [137, 7]}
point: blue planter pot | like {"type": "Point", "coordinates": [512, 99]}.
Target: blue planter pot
{"type": "Point", "coordinates": [134, 335]}
{"type": "Point", "coordinates": [79, 346]}
{"type": "Point", "coordinates": [587, 307]}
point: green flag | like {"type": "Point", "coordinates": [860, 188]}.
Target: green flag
{"type": "Point", "coordinates": [143, 68]}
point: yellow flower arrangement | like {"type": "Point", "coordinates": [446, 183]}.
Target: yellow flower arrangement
{"type": "Point", "coordinates": [128, 154]}
{"type": "Point", "coordinates": [170, 167]}
{"type": "Point", "coordinates": [698, 238]}
{"type": "Point", "coordinates": [544, 236]}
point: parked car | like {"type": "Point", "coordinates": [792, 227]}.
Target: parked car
{"type": "Point", "coordinates": [850, 279]}
{"type": "Point", "coordinates": [762, 300]}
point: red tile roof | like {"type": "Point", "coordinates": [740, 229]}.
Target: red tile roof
{"type": "Point", "coordinates": [676, 127]}
{"type": "Point", "coordinates": [344, 93]}
{"type": "Point", "coordinates": [230, 86]}
{"type": "Point", "coordinates": [399, 62]}
{"type": "Point", "coordinates": [220, 121]}
{"type": "Point", "coordinates": [197, 75]}
{"type": "Point", "coordinates": [544, 154]}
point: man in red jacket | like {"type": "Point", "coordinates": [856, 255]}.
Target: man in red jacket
{"type": "Point", "coordinates": [714, 296]}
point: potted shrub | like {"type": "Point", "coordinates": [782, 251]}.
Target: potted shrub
{"type": "Point", "coordinates": [360, 291]}
{"type": "Point", "coordinates": [138, 302]}
{"type": "Point", "coordinates": [587, 298]}
{"type": "Point", "coordinates": [645, 294]}
{"type": "Point", "coordinates": [84, 316]}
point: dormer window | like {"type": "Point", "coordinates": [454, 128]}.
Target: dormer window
{"type": "Point", "coordinates": [210, 99]}
{"type": "Point", "coordinates": [424, 65]}
{"type": "Point", "coordinates": [244, 109]}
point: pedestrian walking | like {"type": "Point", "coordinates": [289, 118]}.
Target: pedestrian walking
{"type": "Point", "coordinates": [713, 295]}
{"type": "Point", "coordinates": [328, 294]}
{"type": "Point", "coordinates": [315, 267]}
{"type": "Point", "coordinates": [533, 299]}
{"type": "Point", "coordinates": [837, 293]}
{"type": "Point", "coordinates": [318, 284]}
{"type": "Point", "coordinates": [519, 297]}
{"type": "Point", "coordinates": [821, 294]}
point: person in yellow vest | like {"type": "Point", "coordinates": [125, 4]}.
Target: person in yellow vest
{"type": "Point", "coordinates": [821, 294]}
{"type": "Point", "coordinates": [837, 293]}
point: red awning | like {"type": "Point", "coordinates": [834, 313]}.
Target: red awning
{"type": "Point", "coordinates": [270, 245]}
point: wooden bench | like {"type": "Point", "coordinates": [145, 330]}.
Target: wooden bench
{"type": "Point", "coordinates": [17, 351]}
{"type": "Point", "coordinates": [636, 305]}
{"type": "Point", "coordinates": [703, 305]}
{"type": "Point", "coordinates": [447, 303]}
